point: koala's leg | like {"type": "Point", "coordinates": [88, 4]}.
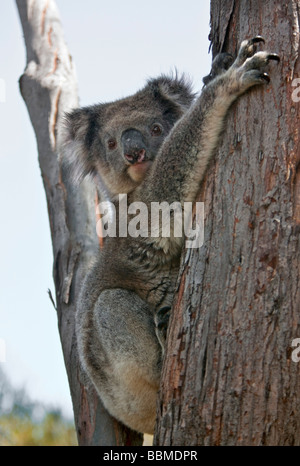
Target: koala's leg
{"type": "Point", "coordinates": [122, 356]}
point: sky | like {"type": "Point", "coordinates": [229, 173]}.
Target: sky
{"type": "Point", "coordinates": [116, 47]}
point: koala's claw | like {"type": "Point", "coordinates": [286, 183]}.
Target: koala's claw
{"type": "Point", "coordinates": [247, 49]}
{"type": "Point", "coordinates": [273, 56]}
{"type": "Point", "coordinates": [248, 60]}
{"type": "Point", "coordinates": [266, 77]}
{"type": "Point", "coordinates": [257, 39]}
{"type": "Point", "coordinates": [250, 64]}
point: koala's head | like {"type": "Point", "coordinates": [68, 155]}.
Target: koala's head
{"type": "Point", "coordinates": [119, 141]}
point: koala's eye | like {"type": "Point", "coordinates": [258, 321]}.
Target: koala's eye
{"type": "Point", "coordinates": [156, 130]}
{"type": "Point", "coordinates": [112, 144]}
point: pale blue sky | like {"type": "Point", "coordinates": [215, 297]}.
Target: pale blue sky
{"type": "Point", "coordinates": [116, 46]}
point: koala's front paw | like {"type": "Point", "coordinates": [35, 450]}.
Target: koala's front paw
{"type": "Point", "coordinates": [250, 65]}
{"type": "Point", "coordinates": [161, 319]}
{"type": "Point", "coordinates": [220, 64]}
{"type": "Point", "coordinates": [247, 49]}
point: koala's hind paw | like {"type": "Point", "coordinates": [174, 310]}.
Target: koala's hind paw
{"type": "Point", "coordinates": [161, 319]}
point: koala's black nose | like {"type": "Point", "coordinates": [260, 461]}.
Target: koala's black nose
{"type": "Point", "coordinates": [134, 147]}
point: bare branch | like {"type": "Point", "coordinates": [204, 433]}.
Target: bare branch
{"type": "Point", "coordinates": [51, 298]}
{"type": "Point", "coordinates": [49, 89]}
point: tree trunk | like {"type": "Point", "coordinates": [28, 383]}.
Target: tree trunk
{"type": "Point", "coordinates": [49, 88]}
{"type": "Point", "coordinates": [228, 377]}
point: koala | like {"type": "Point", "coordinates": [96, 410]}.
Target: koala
{"type": "Point", "coordinates": [153, 146]}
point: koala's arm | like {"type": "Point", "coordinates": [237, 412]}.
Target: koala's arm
{"type": "Point", "coordinates": [186, 152]}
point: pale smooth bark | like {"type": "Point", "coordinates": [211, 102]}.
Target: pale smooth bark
{"type": "Point", "coordinates": [228, 377]}
{"type": "Point", "coordinates": [49, 88]}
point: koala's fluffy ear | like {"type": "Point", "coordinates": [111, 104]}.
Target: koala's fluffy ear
{"type": "Point", "coordinates": [173, 91]}
{"type": "Point", "coordinates": [75, 138]}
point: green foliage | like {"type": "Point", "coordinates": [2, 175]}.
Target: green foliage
{"type": "Point", "coordinates": [25, 423]}
{"type": "Point", "coordinates": [53, 430]}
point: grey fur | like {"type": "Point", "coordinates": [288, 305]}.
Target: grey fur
{"type": "Point", "coordinates": [126, 297]}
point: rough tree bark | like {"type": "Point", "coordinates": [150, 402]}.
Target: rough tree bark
{"type": "Point", "coordinates": [228, 377]}
{"type": "Point", "coordinates": [49, 88]}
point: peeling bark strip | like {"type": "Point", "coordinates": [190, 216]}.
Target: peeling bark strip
{"type": "Point", "coordinates": [228, 377]}
{"type": "Point", "coordinates": [49, 89]}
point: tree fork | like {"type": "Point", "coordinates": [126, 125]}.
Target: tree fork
{"type": "Point", "coordinates": [228, 376]}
